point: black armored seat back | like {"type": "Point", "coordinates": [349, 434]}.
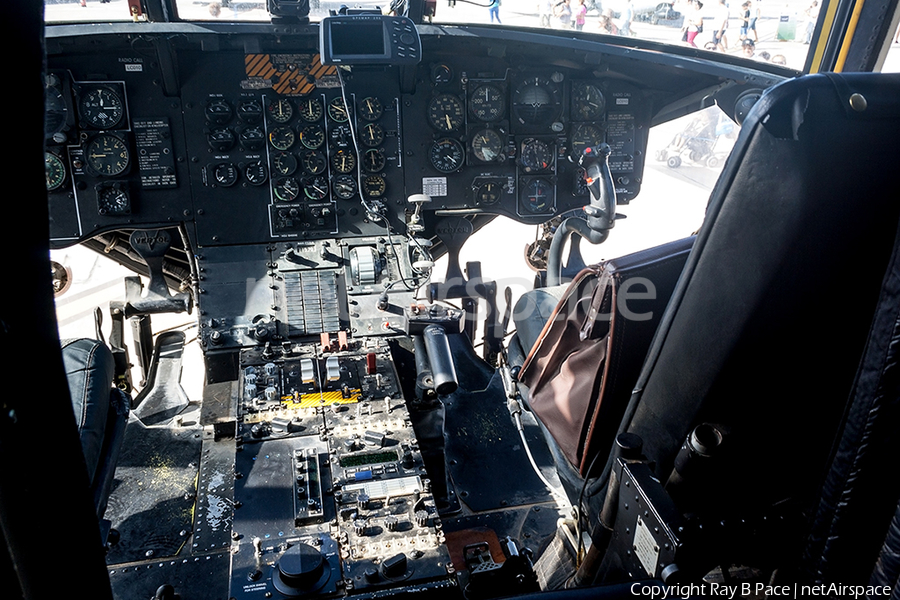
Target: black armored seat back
{"type": "Point", "coordinates": [101, 411]}
{"type": "Point", "coordinates": [766, 328]}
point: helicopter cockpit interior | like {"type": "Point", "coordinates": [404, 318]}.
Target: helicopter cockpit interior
{"type": "Point", "coordinates": [379, 417]}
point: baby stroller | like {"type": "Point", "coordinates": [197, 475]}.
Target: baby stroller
{"type": "Point", "coordinates": [698, 141]}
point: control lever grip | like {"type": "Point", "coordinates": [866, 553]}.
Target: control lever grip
{"type": "Point", "coordinates": [443, 371]}
{"type": "Point", "coordinates": [601, 212]}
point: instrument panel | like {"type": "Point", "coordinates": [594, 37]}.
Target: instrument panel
{"type": "Point", "coordinates": [249, 147]}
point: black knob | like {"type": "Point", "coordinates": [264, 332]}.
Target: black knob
{"type": "Point", "coordinates": [300, 569]}
{"type": "Point", "coordinates": [394, 566]}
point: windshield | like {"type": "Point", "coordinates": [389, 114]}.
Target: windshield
{"type": "Point", "coordinates": [762, 30]}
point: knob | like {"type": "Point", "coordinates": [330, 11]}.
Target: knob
{"type": "Point", "coordinates": [394, 566]}
{"type": "Point", "coordinates": [359, 526]}
{"type": "Point", "coordinates": [421, 518]}
{"type": "Point", "coordinates": [300, 569]}
{"type": "Point", "coordinates": [390, 523]}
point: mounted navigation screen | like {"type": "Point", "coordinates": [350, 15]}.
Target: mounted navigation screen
{"type": "Point", "coordinates": [369, 39]}
{"type": "Point", "coordinates": [357, 38]}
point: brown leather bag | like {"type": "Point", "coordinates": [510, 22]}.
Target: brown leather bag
{"type": "Point", "coordinates": [583, 367]}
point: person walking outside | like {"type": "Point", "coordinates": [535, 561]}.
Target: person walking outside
{"type": "Point", "coordinates": [563, 12]}
{"type": "Point", "coordinates": [694, 24]}
{"type": "Point", "coordinates": [545, 9]}
{"type": "Point", "coordinates": [580, 15]}
{"type": "Point", "coordinates": [494, 10]}
{"type": "Point", "coordinates": [721, 22]}
{"type": "Point", "coordinates": [755, 14]}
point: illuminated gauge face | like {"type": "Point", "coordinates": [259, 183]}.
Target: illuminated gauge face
{"type": "Point", "coordinates": [55, 111]}
{"type": "Point", "coordinates": [102, 108]}
{"type": "Point", "coordinates": [107, 155]}
{"type": "Point", "coordinates": [536, 101]}
{"type": "Point", "coordinates": [282, 138]}
{"type": "Point", "coordinates": [585, 137]}
{"type": "Point", "coordinates": [219, 111]}
{"type": "Point", "coordinates": [337, 111]}
{"type": "Point", "coordinates": [315, 187]}
{"type": "Point", "coordinates": [256, 173]}
{"type": "Point", "coordinates": [446, 113]}
{"type": "Point", "coordinates": [344, 187]}
{"type": "Point", "coordinates": [370, 108]}
{"type": "Point", "coordinates": [286, 189]}
{"type": "Point", "coordinates": [314, 162]}
{"type": "Point", "coordinates": [113, 201]}
{"type": "Point", "coordinates": [252, 138]}
{"type": "Point", "coordinates": [220, 139]}
{"type": "Point", "coordinates": [373, 160]}
{"type": "Point", "coordinates": [487, 103]}
{"type": "Point", "coordinates": [536, 155]}
{"type": "Point", "coordinates": [55, 171]}
{"type": "Point", "coordinates": [250, 111]}
{"type": "Point", "coordinates": [588, 103]}
{"type": "Point", "coordinates": [310, 110]}
{"type": "Point", "coordinates": [374, 186]}
{"type": "Point", "coordinates": [284, 163]}
{"type": "Point", "coordinates": [536, 197]}
{"type": "Point", "coordinates": [488, 193]}
{"type": "Point", "coordinates": [312, 136]}
{"type": "Point", "coordinates": [371, 135]}
{"type": "Point", "coordinates": [446, 155]}
{"type": "Point", "coordinates": [340, 136]}
{"type": "Point", "coordinates": [225, 174]}
{"type": "Point", "coordinates": [280, 110]}
{"type": "Point", "coordinates": [487, 146]}
{"type": "Point", "coordinates": [343, 161]}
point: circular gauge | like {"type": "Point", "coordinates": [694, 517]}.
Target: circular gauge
{"type": "Point", "coordinates": [280, 110]}
{"type": "Point", "coordinates": [249, 111]}
{"type": "Point", "coordinates": [225, 174]}
{"type": "Point", "coordinates": [587, 101]}
{"type": "Point", "coordinates": [337, 110]}
{"type": "Point", "coordinates": [340, 136]}
{"type": "Point", "coordinates": [220, 139]}
{"type": "Point", "coordinates": [583, 137]}
{"type": "Point", "coordinates": [55, 111]}
{"type": "Point", "coordinates": [536, 101]}
{"type": "Point", "coordinates": [314, 162]}
{"type": "Point", "coordinates": [315, 188]}
{"type": "Point", "coordinates": [373, 160]}
{"type": "Point", "coordinates": [487, 103]}
{"type": "Point", "coordinates": [284, 163]}
{"type": "Point", "coordinates": [488, 193]}
{"type": "Point", "coordinates": [252, 138]}
{"type": "Point", "coordinates": [344, 187]}
{"type": "Point", "coordinates": [536, 155]}
{"type": "Point", "coordinates": [219, 111]}
{"type": "Point", "coordinates": [446, 113]}
{"type": "Point", "coordinates": [102, 108]}
{"type": "Point", "coordinates": [374, 186]}
{"type": "Point", "coordinates": [343, 161]}
{"type": "Point", "coordinates": [286, 189]}
{"type": "Point", "coordinates": [487, 145]}
{"type": "Point", "coordinates": [446, 155]}
{"type": "Point", "coordinates": [370, 108]}
{"type": "Point", "coordinates": [111, 200]}
{"type": "Point", "coordinates": [310, 109]}
{"type": "Point", "coordinates": [537, 196]}
{"type": "Point", "coordinates": [371, 135]}
{"type": "Point", "coordinates": [256, 173]}
{"type": "Point", "coordinates": [107, 154]}
{"type": "Point", "coordinates": [441, 74]}
{"type": "Point", "coordinates": [312, 136]}
{"type": "Point", "coordinates": [282, 138]}
{"type": "Point", "coordinates": [55, 171]}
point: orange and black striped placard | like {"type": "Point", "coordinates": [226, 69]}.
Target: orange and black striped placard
{"type": "Point", "coordinates": [290, 74]}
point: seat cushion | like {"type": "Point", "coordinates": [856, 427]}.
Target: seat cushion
{"type": "Point", "coordinates": [90, 369]}
{"type": "Point", "coordinates": [533, 310]}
